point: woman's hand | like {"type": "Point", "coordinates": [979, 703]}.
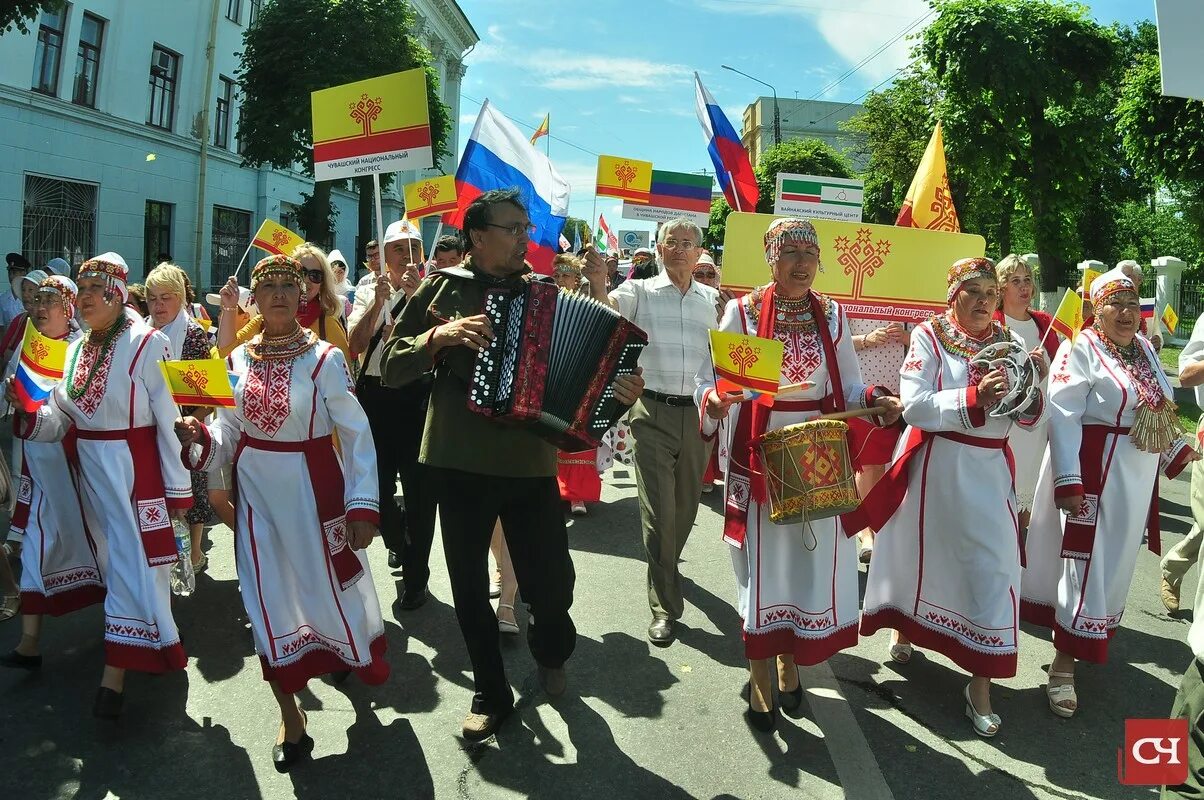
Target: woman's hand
{"type": "Point", "coordinates": [360, 534]}
{"type": "Point", "coordinates": [893, 407]}
{"type": "Point", "coordinates": [474, 332]}
{"type": "Point", "coordinates": [1070, 505]}
{"type": "Point", "coordinates": [992, 387]}
{"type": "Point", "coordinates": [229, 294]}
{"type": "Point", "coordinates": [719, 404]}
{"type": "Point", "coordinates": [10, 393]}
{"type": "Point", "coordinates": [628, 388]}
{"type": "Point", "coordinates": [1037, 354]}
{"type": "Point", "coordinates": [188, 430]}
{"type": "Point", "coordinates": [724, 298]}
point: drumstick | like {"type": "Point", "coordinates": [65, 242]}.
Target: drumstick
{"type": "Point", "coordinates": [872, 411]}
{"type": "Point", "coordinates": [794, 387]}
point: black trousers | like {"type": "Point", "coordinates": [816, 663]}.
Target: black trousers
{"type": "Point", "coordinates": [531, 516]}
{"type": "Point", "coordinates": [397, 418]}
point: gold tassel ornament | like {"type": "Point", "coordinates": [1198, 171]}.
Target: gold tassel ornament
{"type": "Point", "coordinates": [1156, 429]}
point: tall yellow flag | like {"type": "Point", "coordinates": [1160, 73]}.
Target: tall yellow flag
{"type": "Point", "coordinates": [929, 203]}
{"type": "Point", "coordinates": [543, 128]}
{"type": "Point", "coordinates": [276, 239]}
{"type": "Point", "coordinates": [626, 178]}
{"type": "Point", "coordinates": [1068, 321]}
{"type": "Point", "coordinates": [748, 362]}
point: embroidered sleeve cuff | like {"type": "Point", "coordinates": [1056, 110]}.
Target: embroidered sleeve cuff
{"type": "Point", "coordinates": [370, 515]}
{"type": "Point", "coordinates": [973, 416]}
{"type": "Point", "coordinates": [1176, 458]}
{"type": "Point", "coordinates": [199, 454]}
{"type": "Point", "coordinates": [707, 427]}
{"type": "Point", "coordinates": [1032, 415]}
{"type": "Point", "coordinates": [1068, 489]}
{"type": "Point", "coordinates": [178, 503]}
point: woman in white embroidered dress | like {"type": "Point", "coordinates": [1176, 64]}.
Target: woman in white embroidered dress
{"type": "Point", "coordinates": [300, 513]}
{"type": "Point", "coordinates": [946, 571]}
{"type": "Point", "coordinates": [114, 395]}
{"type": "Point", "coordinates": [61, 562]}
{"type": "Point", "coordinates": [796, 583]}
{"type": "Point", "coordinates": [1112, 426]}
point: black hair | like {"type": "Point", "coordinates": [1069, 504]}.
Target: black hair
{"type": "Point", "coordinates": [476, 218]}
{"type": "Point", "coordinates": [447, 244]}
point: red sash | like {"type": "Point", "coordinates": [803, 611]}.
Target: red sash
{"type": "Point", "coordinates": [1078, 536]}
{"type": "Point", "coordinates": [326, 479]}
{"type": "Point", "coordinates": [154, 522]}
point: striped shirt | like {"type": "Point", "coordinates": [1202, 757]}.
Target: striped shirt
{"type": "Point", "coordinates": [677, 326]}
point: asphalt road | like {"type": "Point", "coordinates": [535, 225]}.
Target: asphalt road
{"type": "Point", "coordinates": [637, 721]}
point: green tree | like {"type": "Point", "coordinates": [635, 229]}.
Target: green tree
{"type": "Point", "coordinates": [299, 46]}
{"type": "Point", "coordinates": [18, 13]}
{"type": "Point", "coordinates": [1164, 136]}
{"type": "Point", "coordinates": [1017, 78]}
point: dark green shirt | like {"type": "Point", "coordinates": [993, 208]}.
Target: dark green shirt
{"type": "Point", "coordinates": [455, 437]}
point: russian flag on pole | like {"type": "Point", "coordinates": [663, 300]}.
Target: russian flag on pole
{"type": "Point", "coordinates": [732, 166]}
{"type": "Point", "coordinates": [499, 156]}
{"type": "Point", "coordinates": [39, 368]}
{"type": "Point", "coordinates": [1148, 305]}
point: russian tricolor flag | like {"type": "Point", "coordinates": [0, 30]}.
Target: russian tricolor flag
{"type": "Point", "coordinates": [1148, 305]}
{"type": "Point", "coordinates": [732, 166]}
{"type": "Point", "coordinates": [499, 156]}
{"type": "Point", "coordinates": [39, 369]}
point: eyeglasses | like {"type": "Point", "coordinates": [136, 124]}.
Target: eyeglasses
{"type": "Point", "coordinates": [679, 244]}
{"type": "Point", "coordinates": [709, 273]}
{"type": "Point", "coordinates": [515, 230]}
{"type": "Point", "coordinates": [314, 275]}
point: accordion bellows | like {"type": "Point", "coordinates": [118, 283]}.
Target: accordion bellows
{"type": "Point", "coordinates": [552, 363]}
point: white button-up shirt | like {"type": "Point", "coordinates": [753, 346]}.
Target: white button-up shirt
{"type": "Point", "coordinates": [1193, 352]}
{"type": "Point", "coordinates": [365, 296]}
{"type": "Point", "coordinates": [677, 326]}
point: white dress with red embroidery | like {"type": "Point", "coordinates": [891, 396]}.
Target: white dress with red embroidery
{"type": "Point", "coordinates": [62, 562]}
{"type": "Point", "coordinates": [306, 618]}
{"type": "Point", "coordinates": [124, 422]}
{"type": "Point", "coordinates": [946, 568]}
{"type": "Point", "coordinates": [796, 584]}
{"type": "Point", "coordinates": [1083, 598]}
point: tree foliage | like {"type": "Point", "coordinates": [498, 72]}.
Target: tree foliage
{"type": "Point", "coordinates": [19, 13]}
{"type": "Point", "coordinates": [1163, 136]}
{"type": "Point", "coordinates": [299, 46]}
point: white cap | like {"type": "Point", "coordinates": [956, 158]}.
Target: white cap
{"type": "Point", "coordinates": [646, 251]}
{"type": "Point", "coordinates": [35, 276]}
{"type": "Point", "coordinates": [244, 298]}
{"type": "Point", "coordinates": [705, 258]}
{"type": "Point", "coordinates": [58, 266]}
{"type": "Point", "coordinates": [336, 255]}
{"type": "Point", "coordinates": [402, 229]}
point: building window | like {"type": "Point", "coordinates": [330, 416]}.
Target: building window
{"type": "Point", "coordinates": [87, 61]}
{"type": "Point", "coordinates": [49, 52]}
{"type": "Point", "coordinates": [221, 123]}
{"type": "Point", "coordinates": [255, 4]}
{"type": "Point", "coordinates": [164, 72]}
{"type": "Point", "coordinates": [58, 220]}
{"type": "Point", "coordinates": [233, 7]}
{"type": "Point", "coordinates": [156, 238]}
{"type": "Point", "coordinates": [231, 235]}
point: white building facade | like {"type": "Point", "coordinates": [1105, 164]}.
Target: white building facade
{"type": "Point", "coordinates": [103, 148]}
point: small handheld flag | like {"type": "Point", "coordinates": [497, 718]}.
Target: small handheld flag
{"type": "Point", "coordinates": [1089, 276]}
{"type": "Point", "coordinates": [605, 240]}
{"type": "Point", "coordinates": [39, 369]}
{"type": "Point", "coordinates": [1148, 306]}
{"type": "Point", "coordinates": [199, 383]}
{"type": "Point", "coordinates": [430, 196]}
{"type": "Point", "coordinates": [276, 239]}
{"type": "Point", "coordinates": [1068, 320]}
{"type": "Point", "coordinates": [625, 178]}
{"type": "Point", "coordinates": [542, 130]}
{"type": "Point", "coordinates": [746, 362]}
{"type": "Point", "coordinates": [1170, 319]}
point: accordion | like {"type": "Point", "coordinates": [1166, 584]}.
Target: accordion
{"type": "Point", "coordinates": [551, 363]}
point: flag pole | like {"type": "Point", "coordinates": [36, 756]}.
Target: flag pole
{"type": "Point", "coordinates": [547, 146]}
{"type": "Point", "coordinates": [380, 226]}
{"type": "Point", "coordinates": [438, 233]}
{"type": "Point", "coordinates": [731, 179]}
{"type": "Point", "coordinates": [241, 260]}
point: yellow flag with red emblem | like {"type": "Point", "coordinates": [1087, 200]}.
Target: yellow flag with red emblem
{"type": "Point", "coordinates": [929, 202]}
{"type": "Point", "coordinates": [203, 382]}
{"type": "Point", "coordinates": [430, 196]}
{"type": "Point", "coordinates": [626, 178]}
{"type": "Point", "coordinates": [746, 362]}
{"type": "Point", "coordinates": [276, 239]}
{"type": "Point", "coordinates": [1068, 320]}
{"type": "Point", "coordinates": [1170, 319]}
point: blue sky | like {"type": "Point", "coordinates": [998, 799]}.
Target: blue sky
{"type": "Point", "coordinates": [617, 77]}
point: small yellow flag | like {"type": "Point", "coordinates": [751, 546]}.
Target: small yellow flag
{"type": "Point", "coordinates": [625, 178]}
{"type": "Point", "coordinates": [1089, 276]}
{"type": "Point", "coordinates": [746, 362]}
{"type": "Point", "coordinates": [1170, 319]}
{"type": "Point", "coordinates": [1068, 321]}
{"type": "Point", "coordinates": [199, 383]}
{"type": "Point", "coordinates": [277, 239]}
{"type": "Point", "coordinates": [430, 196]}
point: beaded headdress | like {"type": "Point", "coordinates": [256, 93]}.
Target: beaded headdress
{"type": "Point", "coordinates": [1114, 281]}
{"type": "Point", "coordinates": [789, 229]}
{"type": "Point", "coordinates": [64, 287]}
{"type": "Point", "coordinates": [277, 265]}
{"type": "Point", "coordinates": [967, 269]}
{"type": "Point", "coordinates": [112, 268]}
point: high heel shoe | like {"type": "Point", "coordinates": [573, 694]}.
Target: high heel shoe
{"type": "Point", "coordinates": [985, 725]}
{"type": "Point", "coordinates": [762, 721]}
{"type": "Point", "coordinates": [108, 704]}
{"type": "Point", "coordinates": [286, 753]}
{"type": "Point", "coordinates": [792, 700]}
{"type": "Point", "coordinates": [507, 626]}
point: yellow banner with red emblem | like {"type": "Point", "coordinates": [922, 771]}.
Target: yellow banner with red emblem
{"type": "Point", "coordinates": [276, 239]}
{"type": "Point", "coordinates": [875, 271]}
{"type": "Point", "coordinates": [202, 382]}
{"type": "Point", "coordinates": [746, 362]}
{"type": "Point", "coordinates": [430, 196]}
{"type": "Point", "coordinates": [626, 178]}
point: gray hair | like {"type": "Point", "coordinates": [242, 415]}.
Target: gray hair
{"type": "Point", "coordinates": [677, 224]}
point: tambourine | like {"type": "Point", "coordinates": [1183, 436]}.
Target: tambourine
{"type": "Point", "coordinates": [1020, 374]}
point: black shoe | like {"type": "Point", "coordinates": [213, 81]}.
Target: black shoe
{"type": "Point", "coordinates": [108, 704]}
{"type": "Point", "coordinates": [15, 660]}
{"type": "Point", "coordinates": [412, 600]}
{"type": "Point", "coordinates": [791, 700]}
{"type": "Point", "coordinates": [660, 632]}
{"type": "Point", "coordinates": [286, 754]}
{"type": "Point", "coordinates": [394, 559]}
{"type": "Point", "coordinates": [762, 721]}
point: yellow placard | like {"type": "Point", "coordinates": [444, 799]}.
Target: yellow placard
{"type": "Point", "coordinates": [747, 362]}
{"type": "Point", "coordinates": [372, 126]}
{"type": "Point", "coordinates": [430, 196]}
{"type": "Point", "coordinates": [626, 178]}
{"type": "Point", "coordinates": [875, 271]}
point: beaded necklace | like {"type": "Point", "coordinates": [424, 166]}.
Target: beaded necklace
{"type": "Point", "coordinates": [793, 314]}
{"type": "Point", "coordinates": [957, 341]}
{"type": "Point", "coordinates": [1134, 360]}
{"type": "Point", "coordinates": [105, 344]}
{"type": "Point", "coordinates": [281, 348]}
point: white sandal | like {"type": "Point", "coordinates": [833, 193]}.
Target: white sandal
{"type": "Point", "coordinates": [506, 626]}
{"type": "Point", "coordinates": [985, 725]}
{"type": "Point", "coordinates": [1060, 694]}
{"type": "Point", "coordinates": [10, 606]}
{"type": "Point", "coordinates": [900, 652]}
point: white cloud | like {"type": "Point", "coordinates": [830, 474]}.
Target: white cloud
{"type": "Point", "coordinates": [855, 31]}
{"type": "Point", "coordinates": [468, 119]}
{"type": "Point", "coordinates": [556, 68]}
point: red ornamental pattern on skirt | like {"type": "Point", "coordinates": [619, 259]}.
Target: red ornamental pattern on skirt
{"type": "Point", "coordinates": [800, 620]}
{"type": "Point", "coordinates": [133, 629]}
{"type": "Point", "coordinates": [963, 629]}
{"type": "Point", "coordinates": [266, 396]}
